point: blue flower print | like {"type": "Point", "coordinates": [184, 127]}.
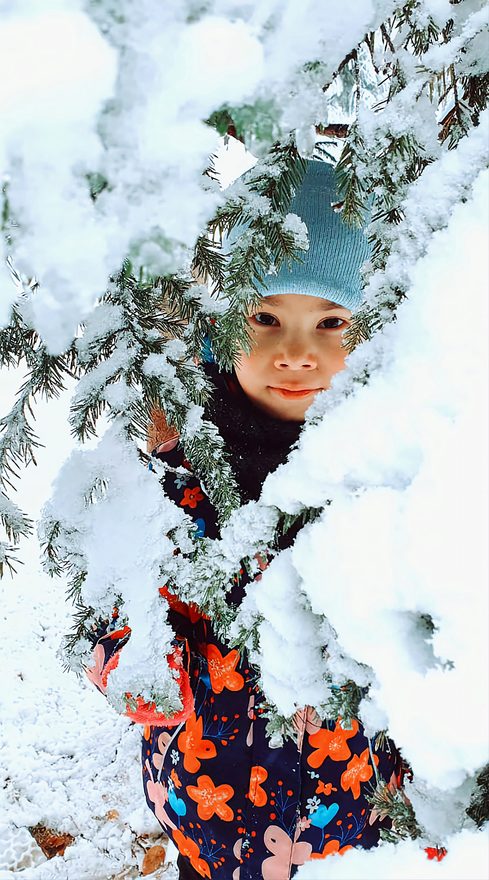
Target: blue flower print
{"type": "Point", "coordinates": [181, 480]}
{"type": "Point", "coordinates": [200, 530]}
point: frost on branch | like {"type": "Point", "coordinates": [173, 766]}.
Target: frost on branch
{"type": "Point", "coordinates": [107, 487]}
{"type": "Point", "coordinates": [390, 558]}
{"type": "Point", "coordinates": [112, 211]}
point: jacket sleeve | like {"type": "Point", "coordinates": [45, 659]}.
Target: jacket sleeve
{"type": "Point", "coordinates": [108, 645]}
{"type": "Point", "coordinates": [184, 489]}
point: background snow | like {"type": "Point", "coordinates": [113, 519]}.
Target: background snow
{"type": "Point", "coordinates": [67, 758]}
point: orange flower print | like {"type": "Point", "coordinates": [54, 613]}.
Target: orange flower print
{"type": "Point", "coordinates": [195, 748]}
{"type": "Point", "coordinates": [222, 670]}
{"type": "Point", "coordinates": [325, 787]}
{"type": "Point", "coordinates": [332, 846]}
{"type": "Point", "coordinates": [175, 778]}
{"type": "Point", "coordinates": [358, 770]}
{"type": "Point", "coordinates": [191, 497]}
{"type": "Point", "coordinates": [331, 744]}
{"type": "Point", "coordinates": [211, 799]}
{"type": "Point", "coordinates": [256, 793]}
{"type": "Point", "coordinates": [189, 848]}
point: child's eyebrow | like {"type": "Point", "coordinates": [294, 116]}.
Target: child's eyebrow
{"type": "Point", "coordinates": [323, 305]}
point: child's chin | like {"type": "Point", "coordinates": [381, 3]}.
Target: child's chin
{"type": "Point", "coordinates": [287, 408]}
{"type": "Point", "coordinates": [287, 411]}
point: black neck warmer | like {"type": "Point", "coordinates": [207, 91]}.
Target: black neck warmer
{"type": "Point", "coordinates": [257, 442]}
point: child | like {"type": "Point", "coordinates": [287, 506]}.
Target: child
{"type": "Point", "coordinates": [236, 808]}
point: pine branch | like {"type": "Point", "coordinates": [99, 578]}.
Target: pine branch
{"type": "Point", "coordinates": [17, 341]}
{"type": "Point", "coordinates": [255, 124]}
{"type": "Point", "coordinates": [418, 38]}
{"type": "Point", "coordinates": [262, 243]}
{"type": "Point", "coordinates": [478, 809]}
{"type": "Point", "coordinates": [19, 441]}
{"type": "Point", "coordinates": [457, 122]}
{"type": "Point", "coordinates": [279, 728]}
{"type": "Point", "coordinates": [389, 802]}
{"type": "Point", "coordinates": [8, 560]}
{"type": "Point", "coordinates": [344, 703]}
{"type": "Point", "coordinates": [14, 521]}
{"type": "Point", "coordinates": [475, 93]}
{"type": "Point", "coordinates": [209, 263]}
{"type": "Point", "coordinates": [350, 186]}
{"type": "Point", "coordinates": [84, 621]}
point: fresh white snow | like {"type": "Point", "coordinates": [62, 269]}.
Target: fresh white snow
{"type": "Point", "coordinates": [402, 458]}
{"type": "Point", "coordinates": [68, 760]}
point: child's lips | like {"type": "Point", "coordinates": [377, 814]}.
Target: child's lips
{"type": "Point", "coordinates": [291, 393]}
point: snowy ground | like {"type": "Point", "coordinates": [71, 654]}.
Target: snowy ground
{"type": "Point", "coordinates": [67, 760]}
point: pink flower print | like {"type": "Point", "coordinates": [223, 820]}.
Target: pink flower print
{"type": "Point", "coordinates": [305, 721]}
{"type": "Point", "coordinates": [251, 716]}
{"type": "Point", "coordinates": [168, 445]}
{"type": "Point", "coordinates": [95, 673]}
{"type": "Point", "coordinates": [285, 852]}
{"type": "Point", "coordinates": [99, 673]}
{"type": "Point", "coordinates": [237, 854]}
{"type": "Point", "coordinates": [164, 741]}
{"type": "Point", "coordinates": [158, 794]}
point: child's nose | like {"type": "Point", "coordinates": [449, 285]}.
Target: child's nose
{"type": "Point", "coordinates": [295, 356]}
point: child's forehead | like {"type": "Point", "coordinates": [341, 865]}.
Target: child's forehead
{"type": "Point", "coordinates": [294, 300]}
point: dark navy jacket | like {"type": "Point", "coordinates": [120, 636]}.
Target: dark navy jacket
{"type": "Point", "coordinates": [236, 808]}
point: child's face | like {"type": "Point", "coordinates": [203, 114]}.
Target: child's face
{"type": "Point", "coordinates": [297, 349]}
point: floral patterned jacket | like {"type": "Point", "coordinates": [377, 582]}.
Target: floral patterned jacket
{"type": "Point", "coordinates": [236, 808]}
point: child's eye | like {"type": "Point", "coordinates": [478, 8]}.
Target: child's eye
{"type": "Point", "coordinates": [265, 319]}
{"type": "Point", "coordinates": [333, 323]}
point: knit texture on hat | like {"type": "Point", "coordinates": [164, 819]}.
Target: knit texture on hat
{"type": "Point", "coordinates": [331, 267]}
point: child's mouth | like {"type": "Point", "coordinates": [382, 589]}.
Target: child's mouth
{"type": "Point", "coordinates": [293, 392]}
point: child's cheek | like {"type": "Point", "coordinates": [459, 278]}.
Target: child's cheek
{"type": "Point", "coordinates": [337, 362]}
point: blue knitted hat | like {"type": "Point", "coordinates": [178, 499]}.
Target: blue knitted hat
{"type": "Point", "coordinates": [331, 267]}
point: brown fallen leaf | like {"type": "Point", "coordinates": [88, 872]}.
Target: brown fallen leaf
{"type": "Point", "coordinates": [112, 815]}
{"type": "Point", "coordinates": [53, 843]}
{"type": "Point", "coordinates": [154, 858]}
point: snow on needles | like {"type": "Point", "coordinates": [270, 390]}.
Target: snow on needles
{"type": "Point", "coordinates": [56, 70]}
{"type": "Point", "coordinates": [103, 142]}
{"type": "Point", "coordinates": [391, 551]}
{"type": "Point", "coordinates": [108, 487]}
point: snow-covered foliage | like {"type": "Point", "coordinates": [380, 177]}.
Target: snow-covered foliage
{"type": "Point", "coordinates": [395, 564]}
{"type": "Point", "coordinates": [105, 157]}
{"type": "Point", "coordinates": [113, 100]}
